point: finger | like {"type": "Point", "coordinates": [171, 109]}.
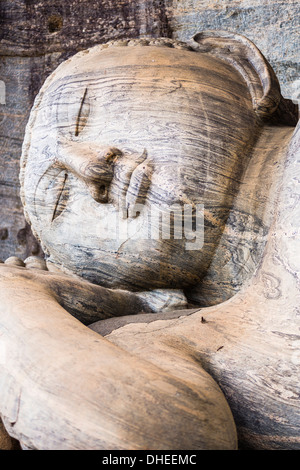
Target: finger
{"type": "Point", "coordinates": [14, 261]}
{"type": "Point", "coordinates": [35, 262]}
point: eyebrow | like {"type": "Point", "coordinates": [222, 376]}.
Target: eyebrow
{"type": "Point", "coordinates": [79, 113]}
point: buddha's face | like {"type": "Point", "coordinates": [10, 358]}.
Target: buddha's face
{"type": "Point", "coordinates": [121, 135]}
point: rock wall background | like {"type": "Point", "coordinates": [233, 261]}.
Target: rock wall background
{"type": "Point", "coordinates": [274, 27]}
{"type": "Point", "coordinates": [35, 36]}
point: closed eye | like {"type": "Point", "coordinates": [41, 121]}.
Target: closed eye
{"type": "Point", "coordinates": [62, 199]}
{"type": "Point", "coordinates": [51, 194]}
{"type": "Point", "coordinates": [83, 114]}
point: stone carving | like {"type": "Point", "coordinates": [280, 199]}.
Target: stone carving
{"type": "Point", "coordinates": [159, 178]}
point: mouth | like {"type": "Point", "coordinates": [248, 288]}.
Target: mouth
{"type": "Point", "coordinates": [137, 189]}
{"type": "Point", "coordinates": [131, 185]}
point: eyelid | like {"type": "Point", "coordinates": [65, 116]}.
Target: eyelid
{"type": "Point", "coordinates": [61, 198]}
{"type": "Point", "coordinates": [48, 194]}
{"type": "Point", "coordinates": [83, 114]}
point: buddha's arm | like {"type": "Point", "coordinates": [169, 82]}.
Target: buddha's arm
{"type": "Point", "coordinates": [65, 386]}
{"type": "Point", "coordinates": [89, 302]}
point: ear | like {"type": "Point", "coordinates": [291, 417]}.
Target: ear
{"type": "Point", "coordinates": [262, 82]}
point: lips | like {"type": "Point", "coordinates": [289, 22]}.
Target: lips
{"type": "Point", "coordinates": [138, 188]}
{"type": "Point", "coordinates": [130, 184]}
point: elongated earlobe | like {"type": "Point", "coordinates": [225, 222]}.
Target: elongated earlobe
{"type": "Point", "coordinates": [262, 82]}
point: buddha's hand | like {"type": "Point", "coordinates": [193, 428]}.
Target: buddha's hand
{"type": "Point", "coordinates": [86, 301]}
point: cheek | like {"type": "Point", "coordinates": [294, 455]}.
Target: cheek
{"type": "Point", "coordinates": [49, 198]}
{"type": "Point", "coordinates": [84, 226]}
{"type": "Point", "coordinates": [178, 183]}
{"type": "Point", "coordinates": [59, 206]}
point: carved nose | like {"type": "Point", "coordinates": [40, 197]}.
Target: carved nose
{"type": "Point", "coordinates": [93, 164]}
{"type": "Point", "coordinates": [98, 173]}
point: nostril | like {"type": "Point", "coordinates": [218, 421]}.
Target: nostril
{"type": "Point", "coordinates": [102, 190]}
{"type": "Point", "coordinates": [112, 155]}
{"type": "Point", "coordinates": [98, 192]}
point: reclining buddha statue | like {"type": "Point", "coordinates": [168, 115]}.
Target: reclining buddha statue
{"type": "Point", "coordinates": [162, 181]}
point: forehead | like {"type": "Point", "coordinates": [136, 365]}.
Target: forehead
{"type": "Point", "coordinates": [125, 88]}
{"type": "Point", "coordinates": [144, 58]}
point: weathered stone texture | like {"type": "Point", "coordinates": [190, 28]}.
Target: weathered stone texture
{"type": "Point", "coordinates": [272, 25]}
{"type": "Point", "coordinates": [36, 36]}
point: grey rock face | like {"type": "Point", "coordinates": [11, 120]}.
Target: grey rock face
{"type": "Point", "coordinates": [273, 26]}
